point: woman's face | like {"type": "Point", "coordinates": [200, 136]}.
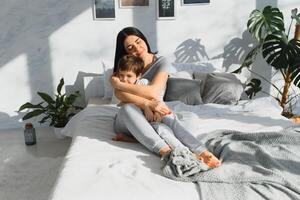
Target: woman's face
{"type": "Point", "coordinates": [135, 46]}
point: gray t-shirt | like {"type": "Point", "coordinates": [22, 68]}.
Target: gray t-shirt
{"type": "Point", "coordinates": [160, 64]}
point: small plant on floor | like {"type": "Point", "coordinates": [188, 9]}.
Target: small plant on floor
{"type": "Point", "coordinates": [57, 110]}
{"type": "Point", "coordinates": [267, 27]}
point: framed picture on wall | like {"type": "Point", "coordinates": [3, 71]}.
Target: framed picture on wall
{"type": "Point", "coordinates": [104, 9]}
{"type": "Point", "coordinates": [132, 3]}
{"type": "Point", "coordinates": [191, 2]}
{"type": "Point", "coordinates": [165, 9]}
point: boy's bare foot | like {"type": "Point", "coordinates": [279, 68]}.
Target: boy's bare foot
{"type": "Point", "coordinates": [124, 138]}
{"type": "Point", "coordinates": [209, 159]}
{"type": "Point", "coordinates": [165, 150]}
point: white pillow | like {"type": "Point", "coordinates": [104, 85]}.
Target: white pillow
{"type": "Point", "coordinates": [71, 126]}
{"type": "Point", "coordinates": [108, 89]}
{"type": "Point", "coordinates": [182, 74]}
{"type": "Point", "coordinates": [94, 101]}
{"type": "Point", "coordinates": [93, 86]}
{"type": "Point", "coordinates": [209, 66]}
{"type": "Point", "coordinates": [75, 121]}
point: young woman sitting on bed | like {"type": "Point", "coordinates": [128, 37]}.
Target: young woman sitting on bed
{"type": "Point", "coordinates": [130, 119]}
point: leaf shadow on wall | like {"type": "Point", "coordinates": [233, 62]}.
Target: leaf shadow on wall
{"type": "Point", "coordinates": [236, 50]}
{"type": "Point", "coordinates": [190, 51]}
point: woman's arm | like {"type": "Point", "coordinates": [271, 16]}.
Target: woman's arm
{"type": "Point", "coordinates": [141, 102]}
{"type": "Point", "coordinates": [151, 91]}
{"type": "Point", "coordinates": [125, 97]}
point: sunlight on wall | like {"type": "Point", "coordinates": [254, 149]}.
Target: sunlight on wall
{"type": "Point", "coordinates": [79, 42]}
{"type": "Point", "coordinates": [15, 87]}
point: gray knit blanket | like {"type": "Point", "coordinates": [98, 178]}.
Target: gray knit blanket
{"type": "Point", "coordinates": [256, 166]}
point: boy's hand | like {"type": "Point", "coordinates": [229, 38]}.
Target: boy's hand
{"type": "Point", "coordinates": [115, 81]}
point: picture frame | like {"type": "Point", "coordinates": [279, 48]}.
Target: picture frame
{"type": "Point", "coordinates": [133, 3]}
{"type": "Point", "coordinates": [165, 9]}
{"type": "Point", "coordinates": [104, 10]}
{"type": "Point", "coordinates": [193, 2]}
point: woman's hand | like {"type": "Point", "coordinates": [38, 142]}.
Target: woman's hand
{"type": "Point", "coordinates": [157, 117]}
{"type": "Point", "coordinates": [152, 116]}
{"type": "Point", "coordinates": [159, 107]}
{"type": "Point", "coordinates": [149, 115]}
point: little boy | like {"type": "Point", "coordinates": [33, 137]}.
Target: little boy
{"type": "Point", "coordinates": [129, 71]}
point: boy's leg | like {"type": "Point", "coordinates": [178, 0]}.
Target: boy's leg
{"type": "Point", "coordinates": [166, 134]}
{"type": "Point", "coordinates": [190, 141]}
{"type": "Point", "coordinates": [182, 134]}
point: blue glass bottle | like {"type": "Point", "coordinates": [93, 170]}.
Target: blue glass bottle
{"type": "Point", "coordinates": [29, 134]}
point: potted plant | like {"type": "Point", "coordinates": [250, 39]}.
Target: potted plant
{"type": "Point", "coordinates": [267, 27]}
{"type": "Point", "coordinates": [57, 110]}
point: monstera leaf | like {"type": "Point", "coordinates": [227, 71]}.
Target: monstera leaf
{"type": "Point", "coordinates": [262, 23]}
{"type": "Point", "coordinates": [279, 52]}
{"type": "Point", "coordinates": [267, 27]}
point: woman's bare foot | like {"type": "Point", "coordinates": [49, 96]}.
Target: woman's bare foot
{"type": "Point", "coordinates": [124, 138]}
{"type": "Point", "coordinates": [209, 159]}
{"type": "Point", "coordinates": [165, 150]}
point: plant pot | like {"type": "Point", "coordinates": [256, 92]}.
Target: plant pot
{"type": "Point", "coordinates": [57, 132]}
{"type": "Point", "coordinates": [297, 32]}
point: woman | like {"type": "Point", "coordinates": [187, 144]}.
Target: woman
{"type": "Point", "coordinates": [130, 118]}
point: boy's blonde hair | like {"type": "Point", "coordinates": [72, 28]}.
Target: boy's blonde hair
{"type": "Point", "coordinates": [131, 63]}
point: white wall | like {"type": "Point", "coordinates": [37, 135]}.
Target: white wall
{"type": "Point", "coordinates": [42, 41]}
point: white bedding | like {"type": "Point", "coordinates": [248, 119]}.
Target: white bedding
{"type": "Point", "coordinates": [98, 168]}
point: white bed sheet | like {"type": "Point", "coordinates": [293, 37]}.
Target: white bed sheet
{"type": "Point", "coordinates": [96, 167]}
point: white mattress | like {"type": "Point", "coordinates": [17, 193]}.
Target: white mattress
{"type": "Point", "coordinates": [98, 168]}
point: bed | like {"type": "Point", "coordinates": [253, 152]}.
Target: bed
{"type": "Point", "coordinates": [96, 167]}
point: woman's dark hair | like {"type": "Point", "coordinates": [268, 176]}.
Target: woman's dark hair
{"type": "Point", "coordinates": [120, 49]}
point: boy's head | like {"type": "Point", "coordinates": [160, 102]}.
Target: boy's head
{"type": "Point", "coordinates": [130, 69]}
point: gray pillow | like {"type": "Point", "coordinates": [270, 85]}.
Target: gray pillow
{"type": "Point", "coordinates": [201, 76]}
{"type": "Point", "coordinates": [222, 88]}
{"type": "Point", "coordinates": [184, 90]}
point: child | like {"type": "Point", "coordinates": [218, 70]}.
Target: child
{"type": "Point", "coordinates": [129, 71]}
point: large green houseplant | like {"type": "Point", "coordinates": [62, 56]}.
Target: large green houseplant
{"type": "Point", "coordinates": [57, 110]}
{"type": "Point", "coordinates": [267, 27]}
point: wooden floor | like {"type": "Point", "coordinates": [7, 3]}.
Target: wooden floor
{"type": "Point", "coordinates": [29, 172]}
